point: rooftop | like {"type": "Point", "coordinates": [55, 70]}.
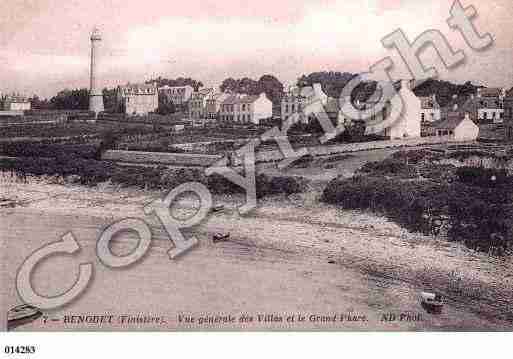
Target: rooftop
{"type": "Point", "coordinates": [490, 92]}
{"type": "Point", "coordinates": [453, 120]}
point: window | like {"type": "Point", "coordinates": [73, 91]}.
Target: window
{"type": "Point", "coordinates": [243, 107]}
{"type": "Point", "coordinates": [422, 116]}
{"type": "Point", "coordinates": [293, 107]}
{"type": "Point", "coordinates": [286, 108]}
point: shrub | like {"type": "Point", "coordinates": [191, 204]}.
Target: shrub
{"type": "Point", "coordinates": [483, 177]}
{"type": "Point", "coordinates": [463, 155]}
{"type": "Point", "coordinates": [415, 156]}
{"type": "Point", "coordinates": [287, 185]}
{"type": "Point", "coordinates": [438, 172]}
{"type": "Point", "coordinates": [91, 172]}
{"type": "Point", "coordinates": [389, 167]}
{"type": "Point", "coordinates": [480, 217]}
{"type": "Point", "coordinates": [34, 149]}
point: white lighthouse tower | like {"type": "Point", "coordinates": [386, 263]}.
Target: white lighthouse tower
{"type": "Point", "coordinates": [95, 92]}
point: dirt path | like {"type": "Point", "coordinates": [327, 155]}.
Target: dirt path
{"type": "Point", "coordinates": [290, 255]}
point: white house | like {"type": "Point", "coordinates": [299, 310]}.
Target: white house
{"type": "Point", "coordinates": [383, 120]}
{"type": "Point", "coordinates": [298, 98]}
{"type": "Point", "coordinates": [198, 103]}
{"type": "Point", "coordinates": [137, 99]}
{"type": "Point", "coordinates": [14, 102]}
{"type": "Point", "coordinates": [246, 108]}
{"type": "Point", "coordinates": [178, 95]}
{"type": "Point", "coordinates": [430, 109]}
{"type": "Point", "coordinates": [213, 104]}
{"type": "Point", "coordinates": [458, 127]}
{"type": "Point", "coordinates": [490, 105]}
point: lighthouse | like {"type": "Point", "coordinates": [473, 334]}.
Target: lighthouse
{"type": "Point", "coordinates": [95, 93]}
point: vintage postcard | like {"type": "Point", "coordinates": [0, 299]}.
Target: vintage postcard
{"type": "Point", "coordinates": [256, 166]}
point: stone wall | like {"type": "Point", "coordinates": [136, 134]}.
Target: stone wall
{"type": "Point", "coordinates": [174, 159]}
{"type": "Point", "coordinates": [182, 159]}
{"type": "Point", "coordinates": [276, 155]}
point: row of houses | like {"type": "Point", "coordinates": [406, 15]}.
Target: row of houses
{"type": "Point", "coordinates": [487, 106]}
{"type": "Point", "coordinates": [420, 116]}
{"type": "Point", "coordinates": [423, 115]}
{"type": "Point", "coordinates": [141, 99]}
{"type": "Point", "coordinates": [14, 102]}
{"type": "Point", "coordinates": [207, 103]}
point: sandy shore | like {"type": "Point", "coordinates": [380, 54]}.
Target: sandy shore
{"type": "Point", "coordinates": [290, 255]}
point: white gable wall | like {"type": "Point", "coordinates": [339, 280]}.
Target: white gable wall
{"type": "Point", "coordinates": [467, 130]}
{"type": "Point", "coordinates": [408, 125]}
{"type": "Point", "coordinates": [261, 109]}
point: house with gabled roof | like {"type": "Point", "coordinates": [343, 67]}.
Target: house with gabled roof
{"type": "Point", "coordinates": [246, 109]}
{"type": "Point", "coordinates": [462, 105]}
{"type": "Point", "coordinates": [213, 104]}
{"type": "Point", "coordinates": [178, 95]}
{"type": "Point", "coordinates": [490, 105]}
{"type": "Point", "coordinates": [198, 103]}
{"type": "Point", "coordinates": [430, 110]}
{"type": "Point", "coordinates": [14, 102]}
{"type": "Point", "coordinates": [456, 126]}
{"type": "Point", "coordinates": [297, 99]}
{"type": "Point", "coordinates": [137, 99]}
{"type": "Point", "coordinates": [384, 121]}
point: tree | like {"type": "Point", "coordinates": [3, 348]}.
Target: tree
{"type": "Point", "coordinates": [180, 81]}
{"type": "Point", "coordinates": [77, 99]}
{"type": "Point", "coordinates": [332, 82]}
{"type": "Point", "coordinates": [272, 87]}
{"type": "Point", "coordinates": [37, 104]}
{"type": "Point", "coordinates": [110, 102]}
{"type": "Point", "coordinates": [267, 84]}
{"type": "Point", "coordinates": [243, 86]}
{"type": "Point", "coordinates": [444, 90]}
{"type": "Point", "coordinates": [229, 84]}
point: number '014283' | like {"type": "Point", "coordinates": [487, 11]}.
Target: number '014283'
{"type": "Point", "coordinates": [19, 349]}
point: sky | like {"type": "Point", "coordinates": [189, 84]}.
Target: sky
{"type": "Point", "coordinates": [45, 46]}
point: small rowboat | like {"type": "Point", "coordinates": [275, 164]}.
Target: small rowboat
{"type": "Point", "coordinates": [220, 237]}
{"type": "Point", "coordinates": [433, 303]}
{"type": "Point", "coordinates": [22, 314]}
